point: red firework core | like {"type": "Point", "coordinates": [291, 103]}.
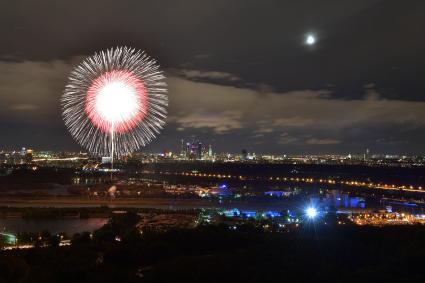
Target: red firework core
{"type": "Point", "coordinates": [116, 101]}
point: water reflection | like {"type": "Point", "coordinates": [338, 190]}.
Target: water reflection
{"type": "Point", "coordinates": [68, 226]}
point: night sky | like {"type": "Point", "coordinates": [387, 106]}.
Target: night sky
{"type": "Point", "coordinates": [240, 73]}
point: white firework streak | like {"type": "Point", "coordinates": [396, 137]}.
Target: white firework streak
{"type": "Point", "coordinates": [97, 141]}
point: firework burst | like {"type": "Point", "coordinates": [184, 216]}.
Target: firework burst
{"type": "Point", "coordinates": [115, 102]}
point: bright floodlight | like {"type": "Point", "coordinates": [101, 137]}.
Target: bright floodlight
{"type": "Point", "coordinates": [310, 40]}
{"type": "Point", "coordinates": [311, 212]}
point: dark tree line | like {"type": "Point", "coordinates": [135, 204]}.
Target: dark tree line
{"type": "Point", "coordinates": [219, 254]}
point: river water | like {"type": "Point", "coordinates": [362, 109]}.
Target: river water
{"type": "Point", "coordinates": [68, 226]}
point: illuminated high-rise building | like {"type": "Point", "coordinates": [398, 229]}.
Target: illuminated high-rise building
{"type": "Point", "coordinates": [188, 150]}
{"type": "Point", "coordinates": [28, 156]}
{"type": "Point", "coordinates": [198, 150]}
{"type": "Point", "coordinates": [195, 150]}
{"type": "Point", "coordinates": [182, 149]}
{"type": "Point", "coordinates": [210, 152]}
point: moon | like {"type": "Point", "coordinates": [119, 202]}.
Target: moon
{"type": "Point", "coordinates": [310, 39]}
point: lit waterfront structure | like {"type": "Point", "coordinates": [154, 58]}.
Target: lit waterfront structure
{"type": "Point", "coordinates": [306, 180]}
{"type": "Point", "coordinates": [383, 218]}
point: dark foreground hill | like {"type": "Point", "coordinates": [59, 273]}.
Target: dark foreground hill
{"type": "Point", "coordinates": [217, 254]}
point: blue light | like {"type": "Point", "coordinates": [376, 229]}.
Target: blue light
{"type": "Point", "coordinates": [272, 214]}
{"type": "Point", "coordinates": [249, 214]}
{"type": "Point", "coordinates": [224, 186]}
{"type": "Point", "coordinates": [274, 193]}
{"type": "Point", "coordinates": [311, 212]}
{"type": "Point", "coordinates": [232, 212]}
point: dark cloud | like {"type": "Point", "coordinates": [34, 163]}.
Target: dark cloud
{"type": "Point", "coordinates": [240, 73]}
{"type": "Point", "coordinates": [206, 75]}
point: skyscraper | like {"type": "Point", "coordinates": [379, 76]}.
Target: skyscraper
{"type": "Point", "coordinates": [198, 150]}
{"type": "Point", "coordinates": [182, 149]}
{"type": "Point", "coordinates": [195, 150]}
{"type": "Point", "coordinates": [210, 152]}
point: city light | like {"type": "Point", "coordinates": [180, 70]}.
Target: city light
{"type": "Point", "coordinates": [311, 212]}
{"type": "Point", "coordinates": [311, 180]}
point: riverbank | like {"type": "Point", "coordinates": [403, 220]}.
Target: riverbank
{"type": "Point", "coordinates": [151, 203]}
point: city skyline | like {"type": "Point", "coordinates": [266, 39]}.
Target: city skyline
{"type": "Point", "coordinates": [176, 149]}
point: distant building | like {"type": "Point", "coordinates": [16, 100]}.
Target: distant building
{"type": "Point", "coordinates": [336, 199]}
{"type": "Point", "coordinates": [182, 149]}
{"type": "Point", "coordinates": [244, 155]}
{"type": "Point", "coordinates": [199, 150]}
{"type": "Point", "coordinates": [194, 150]}
{"type": "Point", "coordinates": [106, 159]}
{"type": "Point", "coordinates": [210, 151]}
{"type": "Point", "coordinates": [28, 156]}
{"type": "Point", "coordinates": [187, 150]}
